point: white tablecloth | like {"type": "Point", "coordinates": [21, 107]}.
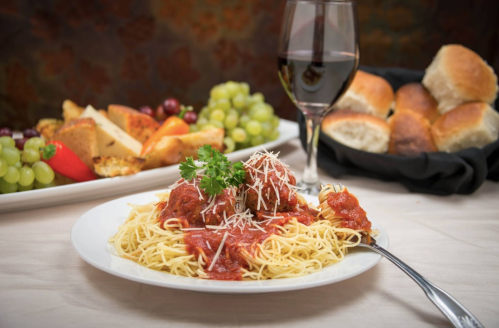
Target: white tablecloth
{"type": "Point", "coordinates": [453, 241]}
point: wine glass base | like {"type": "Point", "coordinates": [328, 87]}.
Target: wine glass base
{"type": "Point", "coordinates": [309, 188]}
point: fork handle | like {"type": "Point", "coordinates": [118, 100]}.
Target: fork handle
{"type": "Point", "coordinates": [457, 314]}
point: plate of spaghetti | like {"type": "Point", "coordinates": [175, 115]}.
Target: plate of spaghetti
{"type": "Point", "coordinates": [230, 228]}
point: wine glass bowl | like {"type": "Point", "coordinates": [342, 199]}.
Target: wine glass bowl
{"type": "Point", "coordinates": [318, 56]}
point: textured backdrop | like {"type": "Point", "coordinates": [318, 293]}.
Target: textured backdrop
{"type": "Point", "coordinates": [138, 52]}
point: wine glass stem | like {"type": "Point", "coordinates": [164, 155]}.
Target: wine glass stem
{"type": "Point", "coordinates": [313, 121]}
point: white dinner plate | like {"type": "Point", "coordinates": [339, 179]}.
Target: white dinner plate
{"type": "Point", "coordinates": [91, 232]}
{"type": "Point", "coordinates": [119, 185]}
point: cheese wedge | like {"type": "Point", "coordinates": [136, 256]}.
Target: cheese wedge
{"type": "Point", "coordinates": [112, 141]}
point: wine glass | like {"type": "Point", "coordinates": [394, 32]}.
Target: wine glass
{"type": "Point", "coordinates": [317, 58]}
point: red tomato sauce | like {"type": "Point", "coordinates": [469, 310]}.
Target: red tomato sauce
{"type": "Point", "coordinates": [230, 262]}
{"type": "Point", "coordinates": [347, 207]}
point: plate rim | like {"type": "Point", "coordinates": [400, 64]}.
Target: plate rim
{"type": "Point", "coordinates": [214, 286]}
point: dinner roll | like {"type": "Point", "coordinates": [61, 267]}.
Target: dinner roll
{"type": "Point", "coordinates": [415, 97]}
{"type": "Point", "coordinates": [458, 75]}
{"type": "Point", "coordinates": [470, 125]}
{"type": "Point", "coordinates": [410, 134]}
{"type": "Point", "coordinates": [368, 94]}
{"type": "Point", "coordinates": [357, 130]}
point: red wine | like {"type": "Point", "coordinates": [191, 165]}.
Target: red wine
{"type": "Point", "coordinates": [314, 81]}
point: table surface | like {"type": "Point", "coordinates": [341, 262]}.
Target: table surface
{"type": "Point", "coordinates": [452, 241]}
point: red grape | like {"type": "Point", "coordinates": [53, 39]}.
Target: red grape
{"type": "Point", "coordinates": [5, 132]}
{"type": "Point", "coordinates": [171, 106]}
{"type": "Point", "coordinates": [148, 111]}
{"type": "Point", "coordinates": [20, 143]}
{"type": "Point", "coordinates": [30, 133]}
{"type": "Point", "coordinates": [160, 113]}
{"type": "Point", "coordinates": [190, 117]}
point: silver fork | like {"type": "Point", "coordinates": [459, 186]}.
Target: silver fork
{"type": "Point", "coordinates": [457, 314]}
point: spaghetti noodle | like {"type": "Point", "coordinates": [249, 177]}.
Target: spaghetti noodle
{"type": "Point", "coordinates": [283, 238]}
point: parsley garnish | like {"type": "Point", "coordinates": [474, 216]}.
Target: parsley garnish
{"type": "Point", "coordinates": [219, 172]}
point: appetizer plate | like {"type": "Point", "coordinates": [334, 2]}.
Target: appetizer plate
{"type": "Point", "coordinates": [91, 232]}
{"type": "Point", "coordinates": [106, 187]}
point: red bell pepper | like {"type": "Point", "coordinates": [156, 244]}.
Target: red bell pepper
{"type": "Point", "coordinates": [63, 161]}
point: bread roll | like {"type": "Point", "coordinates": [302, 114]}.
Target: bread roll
{"type": "Point", "coordinates": [469, 125]}
{"type": "Point", "coordinates": [458, 75]}
{"type": "Point", "coordinates": [415, 97]}
{"type": "Point", "coordinates": [368, 94]}
{"type": "Point", "coordinates": [410, 134]}
{"type": "Point", "coordinates": [358, 130]}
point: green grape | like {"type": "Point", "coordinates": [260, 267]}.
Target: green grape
{"type": "Point", "coordinates": [231, 121]}
{"type": "Point", "coordinates": [212, 104]}
{"type": "Point", "coordinates": [7, 188]}
{"type": "Point", "coordinates": [204, 112]}
{"type": "Point", "coordinates": [260, 114]}
{"type": "Point", "coordinates": [257, 140]}
{"type": "Point", "coordinates": [232, 111]}
{"type": "Point", "coordinates": [18, 165]}
{"type": "Point", "coordinates": [25, 188]}
{"type": "Point", "coordinates": [26, 176]}
{"type": "Point", "coordinates": [34, 143]}
{"type": "Point", "coordinates": [216, 123]}
{"type": "Point", "coordinates": [238, 135]}
{"type": "Point", "coordinates": [1, 147]}
{"type": "Point", "coordinates": [12, 175]}
{"type": "Point", "coordinates": [267, 129]}
{"type": "Point", "coordinates": [245, 88]}
{"type": "Point", "coordinates": [11, 155]}
{"type": "Point", "coordinates": [229, 144]}
{"type": "Point", "coordinates": [30, 155]}
{"type": "Point", "coordinates": [239, 101]}
{"type": "Point", "coordinates": [253, 128]}
{"type": "Point", "coordinates": [3, 167]}
{"type": "Point", "coordinates": [208, 126]}
{"type": "Point", "coordinates": [252, 101]}
{"type": "Point", "coordinates": [232, 88]}
{"type": "Point", "coordinates": [274, 135]}
{"type": "Point", "coordinates": [217, 115]}
{"type": "Point", "coordinates": [219, 92]}
{"type": "Point", "coordinates": [201, 122]}
{"type": "Point", "coordinates": [7, 141]}
{"type": "Point", "coordinates": [223, 104]}
{"type": "Point", "coordinates": [38, 185]}
{"type": "Point", "coordinates": [243, 120]}
{"type": "Point", "coordinates": [258, 97]}
{"type": "Point", "coordinates": [43, 172]}
{"type": "Point", "coordinates": [270, 109]}
{"type": "Point", "coordinates": [193, 128]}
{"type": "Point", "coordinates": [275, 121]}
{"type": "Point", "coordinates": [257, 106]}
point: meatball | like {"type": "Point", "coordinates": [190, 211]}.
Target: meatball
{"type": "Point", "coordinates": [269, 185]}
{"type": "Point", "coordinates": [189, 202]}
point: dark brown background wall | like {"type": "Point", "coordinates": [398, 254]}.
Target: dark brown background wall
{"type": "Point", "coordinates": [138, 52]}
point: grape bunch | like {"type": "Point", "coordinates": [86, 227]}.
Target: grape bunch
{"type": "Point", "coordinates": [22, 170]}
{"type": "Point", "coordinates": [247, 119]}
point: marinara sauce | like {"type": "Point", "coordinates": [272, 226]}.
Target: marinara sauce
{"type": "Point", "coordinates": [346, 206]}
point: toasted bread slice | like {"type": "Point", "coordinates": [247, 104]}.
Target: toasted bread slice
{"type": "Point", "coordinates": [112, 166]}
{"type": "Point", "coordinates": [166, 152]}
{"type": "Point", "coordinates": [71, 111]}
{"type": "Point", "coordinates": [140, 126]}
{"type": "Point", "coordinates": [80, 136]}
{"type": "Point", "coordinates": [174, 149]}
{"type": "Point", "coordinates": [47, 127]}
{"type": "Point", "coordinates": [192, 141]}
